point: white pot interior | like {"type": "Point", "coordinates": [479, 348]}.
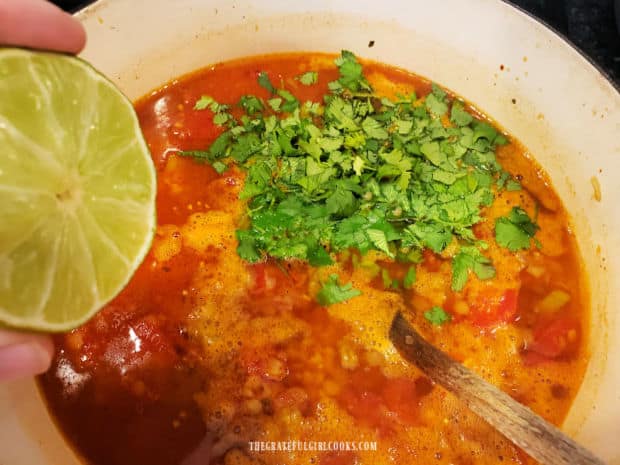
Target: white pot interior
{"type": "Point", "coordinates": [566, 113]}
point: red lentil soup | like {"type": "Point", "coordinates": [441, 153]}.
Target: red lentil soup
{"type": "Point", "coordinates": [204, 351]}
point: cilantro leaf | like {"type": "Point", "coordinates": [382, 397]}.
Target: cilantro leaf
{"type": "Point", "coordinates": [257, 180]}
{"type": "Point", "coordinates": [379, 239]}
{"type": "Point", "coordinates": [219, 167]}
{"type": "Point", "coordinates": [516, 230]}
{"type": "Point", "coordinates": [486, 131]}
{"type": "Point", "coordinates": [203, 102]}
{"type": "Point", "coordinates": [217, 150]}
{"type": "Point", "coordinates": [409, 279]}
{"type": "Point", "coordinates": [433, 153]}
{"type": "Point", "coordinates": [275, 103]}
{"type": "Point", "coordinates": [265, 82]}
{"type": "Point", "coordinates": [246, 145]}
{"type": "Point", "coordinates": [459, 116]}
{"type": "Point", "coordinates": [466, 260]}
{"type": "Point", "coordinates": [436, 106]}
{"type": "Point", "coordinates": [309, 78]}
{"type": "Point", "coordinates": [374, 129]}
{"type": "Point", "coordinates": [220, 118]}
{"type": "Point", "coordinates": [512, 185]}
{"type": "Point", "coordinates": [437, 316]}
{"type": "Point", "coordinates": [251, 104]}
{"type": "Point", "coordinates": [428, 234]}
{"type": "Point", "coordinates": [332, 292]}
{"type": "Point", "coordinates": [341, 202]}
{"type": "Point", "coordinates": [438, 92]}
{"type": "Point", "coordinates": [351, 73]}
{"type": "Point", "coordinates": [208, 102]}
{"type": "Point", "coordinates": [247, 246]}
{"type": "Point", "coordinates": [290, 102]}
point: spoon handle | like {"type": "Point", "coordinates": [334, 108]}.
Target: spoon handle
{"type": "Point", "coordinates": [538, 438]}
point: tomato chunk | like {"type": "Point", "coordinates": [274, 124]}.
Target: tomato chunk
{"type": "Point", "coordinates": [494, 308]}
{"type": "Point", "coordinates": [400, 398]}
{"type": "Point", "coordinates": [264, 278]}
{"type": "Point", "coordinates": [381, 402]}
{"type": "Point", "coordinates": [554, 339]}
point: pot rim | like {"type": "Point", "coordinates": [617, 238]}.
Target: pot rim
{"type": "Point", "coordinates": [567, 41]}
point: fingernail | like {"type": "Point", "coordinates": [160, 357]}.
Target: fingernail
{"type": "Point", "coordinates": [24, 360]}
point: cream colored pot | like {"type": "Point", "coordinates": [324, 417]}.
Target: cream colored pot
{"type": "Point", "coordinates": [566, 113]}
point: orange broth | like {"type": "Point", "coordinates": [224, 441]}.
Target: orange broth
{"type": "Point", "coordinates": [203, 352]}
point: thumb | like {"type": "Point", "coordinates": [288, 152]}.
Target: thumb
{"type": "Point", "coordinates": [23, 355]}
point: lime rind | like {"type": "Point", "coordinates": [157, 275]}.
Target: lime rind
{"type": "Point", "coordinates": [77, 191]}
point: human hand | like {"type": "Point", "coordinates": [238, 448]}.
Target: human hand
{"type": "Point", "coordinates": [33, 24]}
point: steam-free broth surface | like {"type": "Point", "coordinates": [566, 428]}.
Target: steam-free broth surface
{"type": "Point", "coordinates": [204, 351]}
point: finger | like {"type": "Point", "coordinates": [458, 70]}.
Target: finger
{"type": "Point", "coordinates": [9, 337]}
{"type": "Point", "coordinates": [26, 358]}
{"type": "Point", "coordinates": [40, 24]}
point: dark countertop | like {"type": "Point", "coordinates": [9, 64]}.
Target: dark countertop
{"type": "Point", "coordinates": [593, 26]}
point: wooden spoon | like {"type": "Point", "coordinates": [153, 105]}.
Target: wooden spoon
{"type": "Point", "coordinates": [538, 438]}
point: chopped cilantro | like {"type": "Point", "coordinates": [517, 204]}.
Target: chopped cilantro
{"type": "Point", "coordinates": [459, 116]}
{"type": "Point", "coordinates": [265, 82]}
{"type": "Point", "coordinates": [437, 316]}
{"type": "Point", "coordinates": [309, 78]}
{"type": "Point", "coordinates": [466, 260]}
{"type": "Point", "coordinates": [275, 103]}
{"type": "Point", "coordinates": [219, 167]}
{"type": "Point", "coordinates": [512, 185]}
{"type": "Point", "coordinates": [251, 104]}
{"type": "Point", "coordinates": [207, 102]}
{"type": "Point", "coordinates": [436, 106]}
{"type": "Point", "coordinates": [515, 230]}
{"type": "Point", "coordinates": [220, 118]}
{"type": "Point", "coordinates": [351, 74]}
{"type": "Point", "coordinates": [203, 102]}
{"type": "Point", "coordinates": [247, 247]}
{"type": "Point", "coordinates": [374, 129]}
{"type": "Point", "coordinates": [358, 171]}
{"type": "Point", "coordinates": [332, 292]}
{"type": "Point", "coordinates": [409, 279]}
{"type": "Point", "coordinates": [290, 102]}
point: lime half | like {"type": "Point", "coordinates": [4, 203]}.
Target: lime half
{"type": "Point", "coordinates": [77, 190]}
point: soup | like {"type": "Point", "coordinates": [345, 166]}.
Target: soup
{"type": "Point", "coordinates": [300, 205]}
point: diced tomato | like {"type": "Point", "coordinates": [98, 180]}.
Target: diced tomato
{"type": "Point", "coordinates": [400, 398]}
{"type": "Point", "coordinates": [554, 339]}
{"type": "Point", "coordinates": [365, 406]}
{"type": "Point", "coordinates": [493, 308]}
{"type": "Point", "coordinates": [380, 402]}
{"type": "Point", "coordinates": [264, 280]}
{"type": "Point", "coordinates": [338, 458]}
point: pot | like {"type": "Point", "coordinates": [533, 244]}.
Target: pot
{"type": "Point", "coordinates": [530, 80]}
